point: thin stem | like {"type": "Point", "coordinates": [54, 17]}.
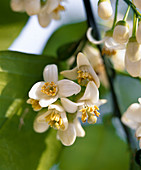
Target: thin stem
{"type": "Point", "coordinates": [133, 7]}
{"type": "Point", "coordinates": [116, 11]}
{"type": "Point", "coordinates": [135, 22]}
{"type": "Point", "coordinates": [110, 72]}
{"type": "Point", "coordinates": [126, 14]}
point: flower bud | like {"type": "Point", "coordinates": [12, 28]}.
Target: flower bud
{"type": "Point", "coordinates": [92, 119]}
{"type": "Point", "coordinates": [17, 5]}
{"type": "Point", "coordinates": [32, 7]}
{"type": "Point", "coordinates": [105, 10]}
{"type": "Point", "coordinates": [121, 32]}
{"type": "Point", "coordinates": [133, 50]}
{"type": "Point", "coordinates": [137, 3]}
{"type": "Point", "coordinates": [138, 34]}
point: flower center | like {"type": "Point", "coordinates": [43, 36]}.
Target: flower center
{"type": "Point", "coordinates": [108, 52]}
{"type": "Point", "coordinates": [54, 120]}
{"type": "Point", "coordinates": [84, 77]}
{"type": "Point", "coordinates": [49, 88]}
{"type": "Point", "coordinates": [90, 113]}
{"type": "Point", "coordinates": [35, 104]}
{"type": "Point", "coordinates": [59, 8]}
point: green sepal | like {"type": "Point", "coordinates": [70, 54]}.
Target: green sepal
{"type": "Point", "coordinates": [103, 1]}
{"type": "Point", "coordinates": [123, 23]}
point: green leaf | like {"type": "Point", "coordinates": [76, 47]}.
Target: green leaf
{"type": "Point", "coordinates": [11, 24]}
{"type": "Point", "coordinates": [127, 91]}
{"type": "Point", "coordinates": [101, 149]}
{"type": "Point", "coordinates": [67, 50]}
{"type": "Point", "coordinates": [22, 148]}
{"type": "Point", "coordinates": [65, 35]}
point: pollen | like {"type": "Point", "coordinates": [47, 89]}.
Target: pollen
{"type": "Point", "coordinates": [55, 120]}
{"type": "Point", "coordinates": [49, 88]}
{"type": "Point", "coordinates": [35, 104]}
{"type": "Point", "coordinates": [108, 52]}
{"type": "Point", "coordinates": [59, 8]}
{"type": "Point", "coordinates": [84, 77]}
{"type": "Point", "coordinates": [90, 114]}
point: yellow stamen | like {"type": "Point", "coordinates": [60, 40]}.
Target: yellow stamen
{"type": "Point", "coordinates": [90, 114]}
{"type": "Point", "coordinates": [84, 77]}
{"type": "Point", "coordinates": [108, 52]}
{"type": "Point", "coordinates": [49, 88]}
{"type": "Point", "coordinates": [55, 120]}
{"type": "Point", "coordinates": [35, 104]}
{"type": "Point", "coordinates": [59, 8]}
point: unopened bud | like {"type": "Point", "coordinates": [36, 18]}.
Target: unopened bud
{"type": "Point", "coordinates": [105, 10]}
{"type": "Point", "coordinates": [121, 32]}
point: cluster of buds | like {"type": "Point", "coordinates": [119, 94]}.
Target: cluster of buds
{"type": "Point", "coordinates": [50, 98]}
{"type": "Point", "coordinates": [46, 10]}
{"type": "Point", "coordinates": [118, 38]}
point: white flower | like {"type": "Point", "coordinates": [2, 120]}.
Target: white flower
{"type": "Point", "coordinates": [138, 34]}
{"type": "Point", "coordinates": [74, 130]}
{"type": "Point", "coordinates": [91, 102]}
{"type": "Point", "coordinates": [121, 32]}
{"type": "Point", "coordinates": [105, 10]}
{"type": "Point", "coordinates": [132, 118]}
{"type": "Point", "coordinates": [50, 11]}
{"type": "Point", "coordinates": [54, 117]}
{"type": "Point", "coordinates": [137, 3]}
{"type": "Point", "coordinates": [48, 91]}
{"type": "Point", "coordinates": [83, 72]}
{"type": "Point", "coordinates": [109, 44]}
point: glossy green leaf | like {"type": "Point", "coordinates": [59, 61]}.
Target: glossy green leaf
{"type": "Point", "coordinates": [100, 149]}
{"type": "Point", "coordinates": [127, 91]}
{"type": "Point", "coordinates": [11, 23]}
{"type": "Point", "coordinates": [64, 35]}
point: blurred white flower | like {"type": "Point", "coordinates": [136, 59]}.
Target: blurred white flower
{"type": "Point", "coordinates": [46, 12]}
{"type": "Point", "coordinates": [105, 10]}
{"type": "Point", "coordinates": [96, 61]}
{"type": "Point", "coordinates": [132, 118]}
{"type": "Point", "coordinates": [48, 91]}
{"type": "Point", "coordinates": [133, 50]}
{"type": "Point", "coordinates": [91, 102]}
{"type": "Point", "coordinates": [110, 46]}
{"type": "Point", "coordinates": [54, 117]}
{"type": "Point", "coordinates": [83, 72]}
{"type": "Point", "coordinates": [138, 33]}
{"type": "Point", "coordinates": [74, 130]}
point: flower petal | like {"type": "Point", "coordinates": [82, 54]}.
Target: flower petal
{"type": "Point", "coordinates": [32, 7]}
{"type": "Point", "coordinates": [57, 107]}
{"type": "Point", "coordinates": [94, 75]}
{"type": "Point", "coordinates": [44, 102]}
{"type": "Point", "coordinates": [79, 130]}
{"type": "Point", "coordinates": [40, 125]}
{"type": "Point", "coordinates": [139, 100]}
{"type": "Point", "coordinates": [44, 18]}
{"type": "Point", "coordinates": [35, 92]}
{"type": "Point", "coordinates": [65, 120]}
{"type": "Point", "coordinates": [82, 60]}
{"type": "Point", "coordinates": [92, 40]}
{"type": "Point", "coordinates": [101, 102]}
{"type": "Point", "coordinates": [68, 136]}
{"type": "Point", "coordinates": [50, 73]}
{"type": "Point", "coordinates": [133, 68]}
{"type": "Point", "coordinates": [91, 93]}
{"type": "Point", "coordinates": [69, 106]}
{"type": "Point", "coordinates": [70, 74]}
{"type": "Point", "coordinates": [68, 88]}
{"type": "Point", "coordinates": [51, 5]}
